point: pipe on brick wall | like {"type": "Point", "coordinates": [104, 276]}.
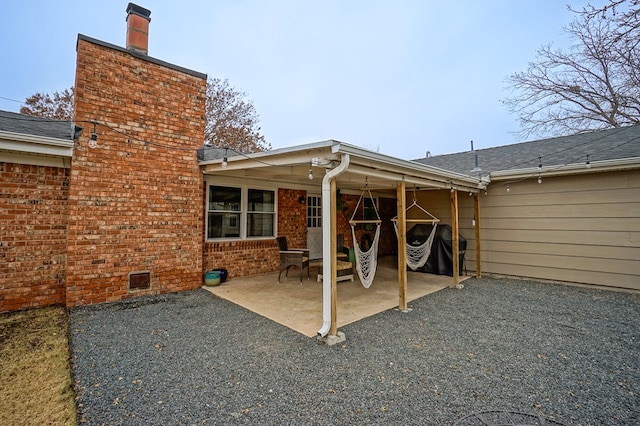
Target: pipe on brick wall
{"type": "Point", "coordinates": [327, 234]}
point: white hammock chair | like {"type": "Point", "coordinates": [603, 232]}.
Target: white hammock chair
{"type": "Point", "coordinates": [417, 255]}
{"type": "Point", "coordinates": [366, 261]}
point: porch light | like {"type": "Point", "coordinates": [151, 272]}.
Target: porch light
{"type": "Point", "coordinates": [310, 173]}
{"type": "Point", "coordinates": [93, 139]}
{"type": "Point", "coordinates": [588, 162]}
{"type": "Point", "coordinates": [225, 163]}
{"type": "Point", "coordinates": [539, 179]}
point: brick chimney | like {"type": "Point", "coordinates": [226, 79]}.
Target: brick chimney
{"type": "Point", "coordinates": [138, 19]}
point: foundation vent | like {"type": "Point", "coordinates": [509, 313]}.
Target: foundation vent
{"type": "Point", "coordinates": [139, 280]}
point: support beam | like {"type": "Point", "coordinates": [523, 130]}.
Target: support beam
{"type": "Point", "coordinates": [334, 261]}
{"type": "Point", "coordinates": [455, 244]}
{"type": "Point", "coordinates": [476, 216]}
{"type": "Point", "coordinates": [402, 242]}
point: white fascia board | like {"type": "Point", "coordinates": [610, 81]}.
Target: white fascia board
{"type": "Point", "coordinates": [35, 159]}
{"type": "Point", "coordinates": [570, 169]}
{"type": "Point", "coordinates": [33, 144]}
{"type": "Point", "coordinates": [280, 156]}
{"type": "Point", "coordinates": [398, 165]}
{"type": "Point", "coordinates": [330, 150]}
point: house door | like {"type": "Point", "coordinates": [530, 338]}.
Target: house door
{"type": "Point", "coordinates": [314, 226]}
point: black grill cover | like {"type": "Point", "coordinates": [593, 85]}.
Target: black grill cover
{"type": "Point", "coordinates": [440, 260]}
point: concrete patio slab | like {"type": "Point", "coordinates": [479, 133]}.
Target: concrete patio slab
{"type": "Point", "coordinates": [299, 307]}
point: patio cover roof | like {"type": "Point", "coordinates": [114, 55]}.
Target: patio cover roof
{"type": "Point", "coordinates": [290, 167]}
{"type": "Point", "coordinates": [348, 168]}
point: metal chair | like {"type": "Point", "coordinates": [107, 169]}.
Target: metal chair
{"type": "Point", "coordinates": [292, 257]}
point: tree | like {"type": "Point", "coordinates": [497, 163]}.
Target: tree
{"type": "Point", "coordinates": [625, 13]}
{"type": "Point", "coordinates": [58, 106]}
{"type": "Point", "coordinates": [594, 85]}
{"type": "Point", "coordinates": [232, 121]}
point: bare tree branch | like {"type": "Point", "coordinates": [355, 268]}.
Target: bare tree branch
{"type": "Point", "coordinates": [593, 85]}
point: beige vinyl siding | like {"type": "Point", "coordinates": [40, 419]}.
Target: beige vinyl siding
{"type": "Point", "coordinates": [583, 229]}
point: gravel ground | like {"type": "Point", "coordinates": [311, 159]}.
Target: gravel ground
{"type": "Point", "coordinates": [569, 354]}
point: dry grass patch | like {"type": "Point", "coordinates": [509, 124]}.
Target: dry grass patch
{"type": "Point", "coordinates": [35, 379]}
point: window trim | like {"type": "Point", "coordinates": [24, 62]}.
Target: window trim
{"type": "Point", "coordinates": [244, 210]}
{"type": "Point", "coordinates": [376, 203]}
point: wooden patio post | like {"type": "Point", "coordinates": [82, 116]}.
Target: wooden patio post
{"type": "Point", "coordinates": [454, 237]}
{"type": "Point", "coordinates": [334, 260]}
{"type": "Point", "coordinates": [476, 215]}
{"type": "Point", "coordinates": [402, 249]}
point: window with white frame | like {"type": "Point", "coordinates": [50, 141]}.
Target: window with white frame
{"type": "Point", "coordinates": [236, 212]}
{"type": "Point", "coordinates": [370, 208]}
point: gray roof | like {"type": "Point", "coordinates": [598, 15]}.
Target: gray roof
{"type": "Point", "coordinates": [31, 125]}
{"type": "Point", "coordinates": [610, 144]}
{"type": "Point", "coordinates": [214, 153]}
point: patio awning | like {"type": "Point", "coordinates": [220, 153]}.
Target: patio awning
{"type": "Point", "coordinates": [326, 166]}
{"type": "Point", "coordinates": [291, 166]}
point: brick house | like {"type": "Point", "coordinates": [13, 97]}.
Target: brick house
{"type": "Point", "coordinates": [136, 205]}
{"type": "Point", "coordinates": [123, 217]}
{"type": "Point", "coordinates": [35, 160]}
{"type": "Point", "coordinates": [121, 208]}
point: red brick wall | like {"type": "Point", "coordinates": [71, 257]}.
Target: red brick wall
{"type": "Point", "coordinates": [135, 201]}
{"type": "Point", "coordinates": [292, 217]}
{"type": "Point", "coordinates": [242, 258]}
{"type": "Point", "coordinates": [33, 240]}
{"type": "Point", "coordinates": [252, 257]}
{"type": "Point", "coordinates": [388, 244]}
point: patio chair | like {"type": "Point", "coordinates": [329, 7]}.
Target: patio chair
{"type": "Point", "coordinates": [292, 257]}
{"type": "Point", "coordinates": [343, 251]}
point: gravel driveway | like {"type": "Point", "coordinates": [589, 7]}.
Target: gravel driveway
{"type": "Point", "coordinates": [569, 354]}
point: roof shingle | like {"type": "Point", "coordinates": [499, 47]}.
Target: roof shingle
{"type": "Point", "coordinates": [610, 144]}
{"type": "Point", "coordinates": [37, 126]}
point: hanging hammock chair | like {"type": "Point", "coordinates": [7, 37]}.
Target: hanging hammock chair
{"type": "Point", "coordinates": [366, 260]}
{"type": "Point", "coordinates": [417, 255]}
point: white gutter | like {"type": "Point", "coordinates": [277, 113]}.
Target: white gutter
{"type": "Point", "coordinates": [33, 144]}
{"type": "Point", "coordinates": [406, 167]}
{"type": "Point", "coordinates": [568, 169]}
{"type": "Point", "coordinates": [430, 182]}
{"type": "Point", "coordinates": [326, 242]}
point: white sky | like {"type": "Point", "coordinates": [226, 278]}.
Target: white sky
{"type": "Point", "coordinates": [401, 77]}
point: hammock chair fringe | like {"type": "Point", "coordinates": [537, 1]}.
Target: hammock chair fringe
{"type": "Point", "coordinates": [366, 261]}
{"type": "Point", "coordinates": [417, 255]}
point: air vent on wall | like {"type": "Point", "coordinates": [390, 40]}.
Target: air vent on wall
{"type": "Point", "coordinates": [139, 280]}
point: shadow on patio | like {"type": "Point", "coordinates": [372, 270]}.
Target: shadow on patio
{"type": "Point", "coordinates": [299, 307]}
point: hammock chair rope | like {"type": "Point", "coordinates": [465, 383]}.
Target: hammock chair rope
{"type": "Point", "coordinates": [366, 261]}
{"type": "Point", "coordinates": [417, 255]}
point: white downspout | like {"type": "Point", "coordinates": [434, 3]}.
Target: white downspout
{"type": "Point", "coordinates": [328, 203]}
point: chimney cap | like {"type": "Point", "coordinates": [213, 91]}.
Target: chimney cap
{"type": "Point", "coordinates": [138, 10]}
